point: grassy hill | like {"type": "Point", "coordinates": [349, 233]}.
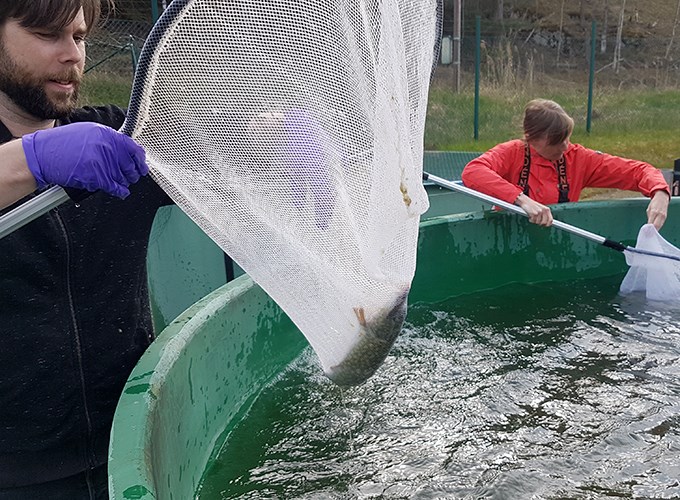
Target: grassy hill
{"type": "Point", "coordinates": [642, 18]}
{"type": "Point", "coordinates": [554, 35]}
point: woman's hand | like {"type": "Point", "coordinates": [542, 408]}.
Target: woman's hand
{"type": "Point", "coordinates": [657, 210]}
{"type": "Point", "coordinates": [538, 214]}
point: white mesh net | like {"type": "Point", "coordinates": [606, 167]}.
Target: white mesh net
{"type": "Point", "coordinates": [657, 277]}
{"type": "Point", "coordinates": [292, 134]}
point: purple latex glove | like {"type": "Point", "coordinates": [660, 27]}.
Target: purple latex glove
{"type": "Point", "coordinates": [85, 156]}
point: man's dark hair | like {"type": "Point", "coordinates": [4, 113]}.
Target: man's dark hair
{"type": "Point", "coordinates": [51, 13]}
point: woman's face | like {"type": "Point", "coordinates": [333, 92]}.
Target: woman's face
{"type": "Point", "coordinates": [552, 152]}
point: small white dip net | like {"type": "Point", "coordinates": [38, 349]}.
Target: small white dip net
{"type": "Point", "coordinates": [291, 132]}
{"type": "Point", "coordinates": [657, 277]}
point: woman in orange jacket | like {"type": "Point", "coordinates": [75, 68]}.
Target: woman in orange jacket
{"type": "Point", "coordinates": [545, 168]}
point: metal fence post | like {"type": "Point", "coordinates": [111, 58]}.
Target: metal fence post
{"type": "Point", "coordinates": [478, 57]}
{"type": "Point", "coordinates": [133, 54]}
{"type": "Point", "coordinates": [591, 76]}
{"type": "Point", "coordinates": [154, 11]}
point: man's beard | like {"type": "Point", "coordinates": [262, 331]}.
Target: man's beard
{"type": "Point", "coordinates": [27, 91]}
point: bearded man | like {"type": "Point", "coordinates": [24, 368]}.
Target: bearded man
{"type": "Point", "coordinates": [74, 304]}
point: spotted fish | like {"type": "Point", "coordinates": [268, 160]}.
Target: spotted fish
{"type": "Point", "coordinates": [376, 338]}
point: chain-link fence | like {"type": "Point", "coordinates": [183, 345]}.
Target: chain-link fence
{"type": "Point", "coordinates": [604, 60]}
{"type": "Point", "coordinates": [633, 40]}
{"type": "Point", "coordinates": [540, 58]}
{"type": "Point", "coordinates": [115, 46]}
{"type": "Point", "coordinates": [517, 59]}
{"type": "Point", "coordinates": [512, 53]}
{"type": "Point", "coordinates": [518, 67]}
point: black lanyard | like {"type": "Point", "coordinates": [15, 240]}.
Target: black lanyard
{"type": "Point", "coordinates": [560, 166]}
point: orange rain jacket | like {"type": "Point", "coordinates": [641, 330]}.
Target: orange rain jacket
{"type": "Point", "coordinates": [497, 173]}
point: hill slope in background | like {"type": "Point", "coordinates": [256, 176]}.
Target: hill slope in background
{"type": "Point", "coordinates": [649, 26]}
{"type": "Point", "coordinates": [642, 18]}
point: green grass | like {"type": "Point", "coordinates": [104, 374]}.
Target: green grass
{"type": "Point", "coordinates": [103, 88]}
{"type": "Point", "coordinates": [641, 124]}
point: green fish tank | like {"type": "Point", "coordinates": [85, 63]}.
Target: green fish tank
{"type": "Point", "coordinates": [197, 417]}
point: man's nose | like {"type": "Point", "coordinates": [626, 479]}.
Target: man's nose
{"type": "Point", "coordinates": [71, 50]}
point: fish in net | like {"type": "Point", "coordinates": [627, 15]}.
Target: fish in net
{"type": "Point", "coordinates": [292, 134]}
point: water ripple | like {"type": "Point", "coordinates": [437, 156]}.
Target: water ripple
{"type": "Point", "coordinates": [529, 392]}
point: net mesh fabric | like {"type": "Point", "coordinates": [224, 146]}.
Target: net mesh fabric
{"type": "Point", "coordinates": [292, 134]}
{"type": "Point", "coordinates": [656, 276]}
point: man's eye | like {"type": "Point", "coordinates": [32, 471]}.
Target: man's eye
{"type": "Point", "coordinates": [46, 36]}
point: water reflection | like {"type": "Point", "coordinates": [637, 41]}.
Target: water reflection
{"type": "Point", "coordinates": [528, 392]}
